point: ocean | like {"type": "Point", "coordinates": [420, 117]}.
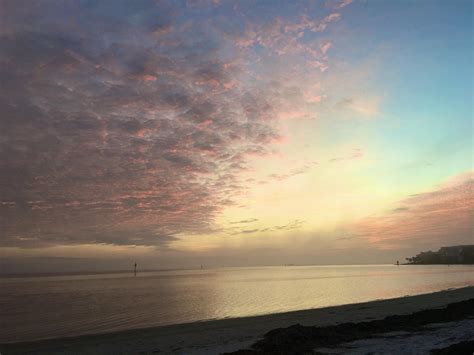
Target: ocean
{"type": "Point", "coordinates": [33, 308]}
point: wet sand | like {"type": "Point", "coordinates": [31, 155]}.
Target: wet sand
{"type": "Point", "coordinates": [215, 337]}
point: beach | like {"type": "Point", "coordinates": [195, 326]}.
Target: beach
{"type": "Point", "coordinates": [47, 307]}
{"type": "Point", "coordinates": [230, 335]}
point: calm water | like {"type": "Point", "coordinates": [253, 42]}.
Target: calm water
{"type": "Point", "coordinates": [45, 307]}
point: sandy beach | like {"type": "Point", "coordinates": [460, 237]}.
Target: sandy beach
{"type": "Point", "coordinates": [228, 335]}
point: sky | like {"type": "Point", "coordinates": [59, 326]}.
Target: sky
{"type": "Point", "coordinates": [233, 133]}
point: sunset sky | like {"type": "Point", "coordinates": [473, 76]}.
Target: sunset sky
{"type": "Point", "coordinates": [223, 133]}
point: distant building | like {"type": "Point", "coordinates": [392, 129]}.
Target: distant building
{"type": "Point", "coordinates": [459, 254]}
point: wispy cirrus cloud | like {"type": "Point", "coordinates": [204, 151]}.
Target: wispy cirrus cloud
{"type": "Point", "coordinates": [444, 215]}
{"type": "Point", "coordinates": [244, 221]}
{"type": "Point", "coordinates": [293, 172]}
{"type": "Point", "coordinates": [292, 225]}
{"type": "Point", "coordinates": [356, 154]}
{"type": "Point", "coordinates": [338, 4]}
{"type": "Point", "coordinates": [360, 107]}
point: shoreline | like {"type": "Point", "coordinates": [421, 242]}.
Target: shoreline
{"type": "Point", "coordinates": [421, 332]}
{"type": "Point", "coordinates": [227, 335]}
{"type": "Point", "coordinates": [24, 275]}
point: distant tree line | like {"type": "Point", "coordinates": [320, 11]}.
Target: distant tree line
{"type": "Point", "coordinates": [460, 254]}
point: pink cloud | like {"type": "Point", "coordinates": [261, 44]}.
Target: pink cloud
{"type": "Point", "coordinates": [325, 47]}
{"type": "Point", "coordinates": [338, 4]}
{"type": "Point", "coordinates": [325, 22]}
{"type": "Point", "coordinates": [440, 217]}
{"type": "Point", "coordinates": [143, 123]}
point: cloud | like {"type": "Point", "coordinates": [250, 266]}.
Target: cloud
{"type": "Point", "coordinates": [356, 154]}
{"type": "Point", "coordinates": [400, 209]}
{"type": "Point", "coordinates": [116, 127]}
{"type": "Point", "coordinates": [338, 4]}
{"type": "Point", "coordinates": [129, 123]}
{"type": "Point", "coordinates": [248, 231]}
{"type": "Point", "coordinates": [359, 107]}
{"type": "Point", "coordinates": [295, 224]}
{"type": "Point", "coordinates": [436, 218]}
{"type": "Point", "coordinates": [325, 47]}
{"type": "Point", "coordinates": [286, 38]}
{"type": "Point", "coordinates": [250, 220]}
{"type": "Point", "coordinates": [293, 172]}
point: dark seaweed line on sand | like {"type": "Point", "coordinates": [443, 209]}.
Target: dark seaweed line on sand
{"type": "Point", "coordinates": [299, 339]}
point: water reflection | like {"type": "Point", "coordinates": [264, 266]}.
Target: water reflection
{"type": "Point", "coordinates": [63, 306]}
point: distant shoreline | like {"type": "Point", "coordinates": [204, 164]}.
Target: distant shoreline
{"type": "Point", "coordinates": [227, 335]}
{"type": "Point", "coordinates": [446, 264]}
{"type": "Point", "coordinates": [130, 271]}
{"type": "Point", "coordinates": [77, 273]}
